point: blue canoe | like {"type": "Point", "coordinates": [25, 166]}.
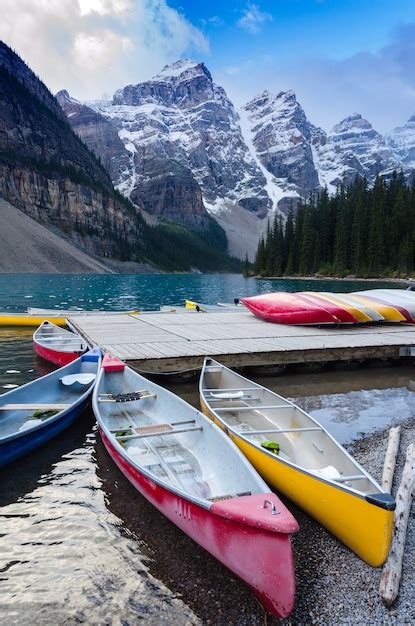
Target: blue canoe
{"type": "Point", "coordinates": [32, 414]}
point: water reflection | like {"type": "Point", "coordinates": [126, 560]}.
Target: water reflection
{"type": "Point", "coordinates": [65, 557]}
{"type": "Point", "coordinates": [79, 544]}
{"type": "Point", "coordinates": [348, 403]}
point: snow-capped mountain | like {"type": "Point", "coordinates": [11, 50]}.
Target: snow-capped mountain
{"type": "Point", "coordinates": [352, 148]}
{"type": "Point", "coordinates": [280, 135]}
{"type": "Point", "coordinates": [401, 141]}
{"type": "Point", "coordinates": [100, 135]}
{"type": "Point", "coordinates": [177, 147]}
{"type": "Point", "coordinates": [183, 116]}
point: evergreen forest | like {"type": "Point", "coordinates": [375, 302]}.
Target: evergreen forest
{"type": "Point", "coordinates": [362, 231]}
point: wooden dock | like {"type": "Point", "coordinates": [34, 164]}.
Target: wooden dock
{"type": "Point", "coordinates": [176, 341]}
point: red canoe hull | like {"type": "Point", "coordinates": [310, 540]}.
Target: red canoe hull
{"type": "Point", "coordinates": [289, 308]}
{"type": "Point", "coordinates": [53, 356]}
{"type": "Point", "coordinates": [261, 558]}
{"type": "Point", "coordinates": [341, 313]}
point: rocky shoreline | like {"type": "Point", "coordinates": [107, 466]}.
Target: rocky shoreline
{"type": "Point", "coordinates": [333, 585]}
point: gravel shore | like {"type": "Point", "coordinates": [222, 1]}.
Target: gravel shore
{"type": "Point", "coordinates": [333, 585]}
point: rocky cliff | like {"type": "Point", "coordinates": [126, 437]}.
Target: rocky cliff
{"type": "Point", "coordinates": [401, 142]}
{"type": "Point", "coordinates": [352, 148]}
{"type": "Point", "coordinates": [97, 133]}
{"type": "Point", "coordinates": [187, 152]}
{"type": "Point", "coordinates": [187, 155]}
{"type": "Point", "coordinates": [46, 171]}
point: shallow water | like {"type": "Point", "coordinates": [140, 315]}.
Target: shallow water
{"type": "Point", "coordinates": [79, 545]}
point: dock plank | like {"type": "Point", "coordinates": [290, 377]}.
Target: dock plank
{"type": "Point", "coordinates": [172, 341]}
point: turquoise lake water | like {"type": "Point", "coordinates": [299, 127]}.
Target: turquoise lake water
{"type": "Point", "coordinates": [145, 291]}
{"type": "Point", "coordinates": [78, 544]}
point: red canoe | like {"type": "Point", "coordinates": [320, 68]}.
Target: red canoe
{"type": "Point", "coordinates": [190, 470]}
{"type": "Point", "coordinates": [57, 345]}
{"type": "Point", "coordinates": [290, 308]}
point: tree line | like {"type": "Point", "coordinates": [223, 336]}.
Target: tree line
{"type": "Point", "coordinates": [361, 230]}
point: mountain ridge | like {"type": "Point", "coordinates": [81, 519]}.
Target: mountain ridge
{"type": "Point", "coordinates": [242, 166]}
{"type": "Point", "coordinates": [48, 173]}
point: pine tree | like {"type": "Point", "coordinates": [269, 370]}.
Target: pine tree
{"type": "Point", "coordinates": [246, 266]}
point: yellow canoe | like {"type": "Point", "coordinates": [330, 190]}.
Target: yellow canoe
{"type": "Point", "coordinates": [343, 301]}
{"type": "Point", "coordinates": [310, 467]}
{"type": "Point", "coordinates": [387, 311]}
{"type": "Point", "coordinates": [24, 319]}
{"type": "Point", "coordinates": [189, 304]}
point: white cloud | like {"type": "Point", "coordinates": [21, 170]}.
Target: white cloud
{"type": "Point", "coordinates": [253, 18]}
{"type": "Point", "coordinates": [94, 46]}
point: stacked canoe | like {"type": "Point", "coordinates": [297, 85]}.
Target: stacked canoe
{"type": "Point", "coordinates": [327, 308]}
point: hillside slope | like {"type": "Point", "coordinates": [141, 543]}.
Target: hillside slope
{"type": "Point", "coordinates": [27, 246]}
{"type": "Point", "coordinates": [47, 172]}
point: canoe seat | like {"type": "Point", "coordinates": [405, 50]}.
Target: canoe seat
{"type": "Point", "coordinates": [329, 472]}
{"type": "Point", "coordinates": [227, 395]}
{"type": "Point", "coordinates": [158, 430]}
{"type": "Point", "coordinates": [80, 379]}
{"type": "Point", "coordinates": [131, 396]}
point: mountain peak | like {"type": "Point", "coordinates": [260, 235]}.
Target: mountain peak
{"type": "Point", "coordinates": [182, 66]}
{"type": "Point", "coordinates": [353, 123]}
{"type": "Point", "coordinates": [63, 96]}
{"type": "Point", "coordinates": [287, 95]}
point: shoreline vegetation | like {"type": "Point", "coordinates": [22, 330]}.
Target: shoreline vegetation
{"type": "Point", "coordinates": [361, 231]}
{"type": "Point", "coordinates": [319, 277]}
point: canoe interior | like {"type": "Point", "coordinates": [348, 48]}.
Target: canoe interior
{"type": "Point", "coordinates": [46, 390]}
{"type": "Point", "coordinates": [312, 450]}
{"type": "Point", "coordinates": [200, 463]}
{"type": "Point", "coordinates": [59, 339]}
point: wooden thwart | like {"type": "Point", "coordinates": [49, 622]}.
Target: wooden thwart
{"type": "Point", "coordinates": [160, 433]}
{"type": "Point", "coordinates": [277, 431]}
{"type": "Point", "coordinates": [150, 428]}
{"type": "Point", "coordinates": [33, 407]}
{"type": "Point", "coordinates": [253, 408]}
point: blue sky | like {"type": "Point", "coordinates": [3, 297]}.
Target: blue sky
{"type": "Point", "coordinates": [339, 56]}
{"type": "Point", "coordinates": [297, 28]}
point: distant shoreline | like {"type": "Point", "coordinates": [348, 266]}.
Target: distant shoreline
{"type": "Point", "coordinates": [338, 278]}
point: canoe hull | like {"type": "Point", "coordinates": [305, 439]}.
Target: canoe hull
{"type": "Point", "coordinates": [262, 559]}
{"type": "Point", "coordinates": [289, 308]}
{"type": "Point", "coordinates": [363, 527]}
{"type": "Point", "coordinates": [25, 443]}
{"type": "Point", "coordinates": [24, 319]}
{"type": "Point", "coordinates": [55, 356]}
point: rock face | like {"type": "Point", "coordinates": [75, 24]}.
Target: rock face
{"type": "Point", "coordinates": [177, 146]}
{"type": "Point", "coordinates": [170, 190]}
{"type": "Point", "coordinates": [183, 118]}
{"type": "Point", "coordinates": [97, 132]}
{"type": "Point", "coordinates": [352, 148]}
{"type": "Point", "coordinates": [401, 142]}
{"type": "Point", "coordinates": [47, 172]}
{"type": "Point", "coordinates": [281, 135]}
